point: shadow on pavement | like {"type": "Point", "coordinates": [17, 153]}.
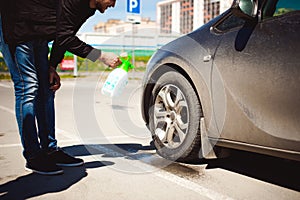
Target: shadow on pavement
{"type": "Point", "coordinates": [110, 150]}
{"type": "Point", "coordinates": [33, 185]}
{"type": "Point", "coordinates": [273, 170]}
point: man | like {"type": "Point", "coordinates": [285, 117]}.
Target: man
{"type": "Point", "coordinates": [28, 26]}
{"type": "Point", "coordinates": [71, 15]}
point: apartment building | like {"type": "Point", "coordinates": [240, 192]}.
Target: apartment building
{"type": "Point", "coordinates": [183, 16]}
{"type": "Point", "coordinates": [118, 26]}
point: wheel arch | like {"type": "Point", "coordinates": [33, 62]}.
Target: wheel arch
{"type": "Point", "coordinates": [157, 73]}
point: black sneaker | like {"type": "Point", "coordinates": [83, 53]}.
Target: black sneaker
{"type": "Point", "coordinates": [64, 160]}
{"type": "Point", "coordinates": [43, 165]}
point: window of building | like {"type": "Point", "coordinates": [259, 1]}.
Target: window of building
{"type": "Point", "coordinates": [186, 16]}
{"type": "Point", "coordinates": [166, 18]}
{"type": "Point", "coordinates": [211, 10]}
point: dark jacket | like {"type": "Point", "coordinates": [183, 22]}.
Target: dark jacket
{"type": "Point", "coordinates": [28, 19]}
{"type": "Point", "coordinates": [57, 20]}
{"type": "Point", "coordinates": [7, 10]}
{"type": "Point", "coordinates": [70, 17]}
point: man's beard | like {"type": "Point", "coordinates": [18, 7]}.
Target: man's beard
{"type": "Point", "coordinates": [99, 6]}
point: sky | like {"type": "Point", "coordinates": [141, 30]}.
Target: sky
{"type": "Point", "coordinates": [148, 9]}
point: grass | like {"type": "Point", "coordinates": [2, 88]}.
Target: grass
{"type": "Point", "coordinates": [84, 65]}
{"type": "Point", "coordinates": [4, 76]}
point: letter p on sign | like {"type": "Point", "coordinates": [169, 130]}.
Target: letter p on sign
{"type": "Point", "coordinates": [133, 6]}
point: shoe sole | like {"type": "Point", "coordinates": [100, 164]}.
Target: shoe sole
{"type": "Point", "coordinates": [58, 172]}
{"type": "Point", "coordinates": [69, 165]}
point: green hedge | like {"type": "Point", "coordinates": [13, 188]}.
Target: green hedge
{"type": "Point", "coordinates": [141, 56]}
{"type": "Point", "coordinates": [3, 67]}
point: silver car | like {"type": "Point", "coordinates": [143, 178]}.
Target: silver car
{"type": "Point", "coordinates": [234, 83]}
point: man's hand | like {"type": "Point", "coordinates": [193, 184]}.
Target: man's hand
{"type": "Point", "coordinates": [110, 59]}
{"type": "Point", "coordinates": [54, 79]}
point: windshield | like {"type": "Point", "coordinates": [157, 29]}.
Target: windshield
{"type": "Point", "coordinates": [280, 7]}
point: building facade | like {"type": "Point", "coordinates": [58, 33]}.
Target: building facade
{"type": "Point", "coordinates": [184, 16]}
{"type": "Point", "coordinates": [117, 26]}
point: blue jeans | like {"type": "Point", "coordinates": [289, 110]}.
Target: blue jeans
{"type": "Point", "coordinates": [34, 103]}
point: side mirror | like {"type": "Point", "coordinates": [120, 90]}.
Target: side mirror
{"type": "Point", "coordinates": [246, 9]}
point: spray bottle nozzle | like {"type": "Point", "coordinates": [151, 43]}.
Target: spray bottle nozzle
{"type": "Point", "coordinates": [126, 64]}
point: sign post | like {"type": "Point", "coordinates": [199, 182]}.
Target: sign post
{"type": "Point", "coordinates": [75, 72]}
{"type": "Point", "coordinates": [133, 16]}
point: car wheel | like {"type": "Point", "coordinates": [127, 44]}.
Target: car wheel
{"type": "Point", "coordinates": [174, 118]}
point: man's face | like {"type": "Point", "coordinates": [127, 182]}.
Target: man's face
{"type": "Point", "coordinates": [102, 5]}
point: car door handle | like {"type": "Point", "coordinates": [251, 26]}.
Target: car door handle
{"type": "Point", "coordinates": [207, 58]}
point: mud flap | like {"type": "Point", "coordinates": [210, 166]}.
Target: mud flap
{"type": "Point", "coordinates": [207, 150]}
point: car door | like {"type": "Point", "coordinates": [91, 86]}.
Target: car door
{"type": "Point", "coordinates": [260, 69]}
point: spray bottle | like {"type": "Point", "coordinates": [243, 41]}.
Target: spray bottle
{"type": "Point", "coordinates": [118, 78]}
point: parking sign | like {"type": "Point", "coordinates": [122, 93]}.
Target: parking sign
{"type": "Point", "coordinates": [134, 7]}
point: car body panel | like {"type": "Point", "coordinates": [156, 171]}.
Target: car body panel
{"type": "Point", "coordinates": [266, 91]}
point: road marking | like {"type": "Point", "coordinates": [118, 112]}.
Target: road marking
{"type": "Point", "coordinates": [105, 138]}
{"type": "Point", "coordinates": [10, 145]}
{"type": "Point", "coordinates": [5, 86]}
{"type": "Point", "coordinates": [211, 194]}
{"type": "Point", "coordinates": [71, 139]}
{"type": "Point", "coordinates": [19, 144]}
{"type": "Point", "coordinates": [7, 109]}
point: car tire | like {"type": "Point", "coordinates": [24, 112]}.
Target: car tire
{"type": "Point", "coordinates": [174, 118]}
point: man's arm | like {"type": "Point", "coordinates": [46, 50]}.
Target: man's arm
{"type": "Point", "coordinates": [71, 14]}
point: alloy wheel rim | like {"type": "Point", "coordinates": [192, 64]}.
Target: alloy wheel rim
{"type": "Point", "coordinates": [171, 116]}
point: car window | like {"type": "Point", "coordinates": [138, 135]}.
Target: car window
{"type": "Point", "coordinates": [275, 8]}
